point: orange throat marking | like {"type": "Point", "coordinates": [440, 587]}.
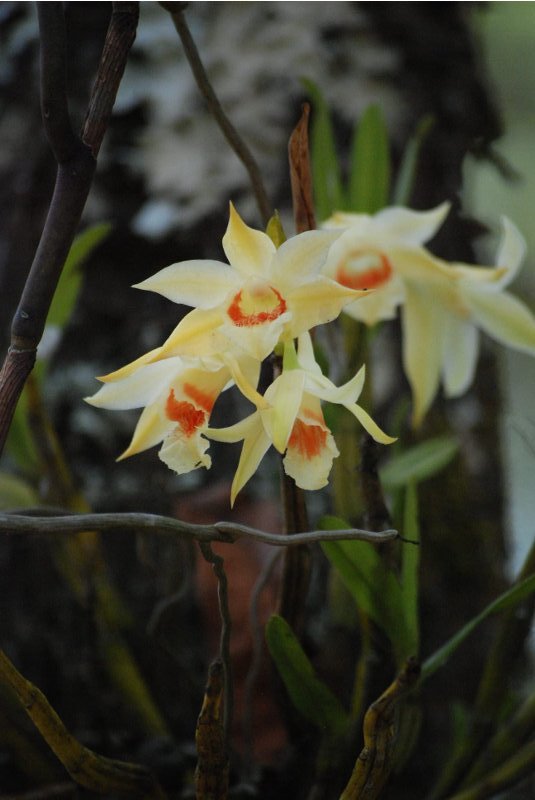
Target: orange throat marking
{"type": "Point", "coordinates": [188, 417]}
{"type": "Point", "coordinates": [370, 278]}
{"type": "Point", "coordinates": [266, 297]}
{"type": "Point", "coordinates": [307, 440]}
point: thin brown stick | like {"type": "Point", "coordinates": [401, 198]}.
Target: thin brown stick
{"type": "Point", "coordinates": [76, 167]}
{"type": "Point", "coordinates": [230, 133]}
{"type": "Point", "coordinates": [227, 532]}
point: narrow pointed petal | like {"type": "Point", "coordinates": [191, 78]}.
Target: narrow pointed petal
{"type": "Point", "coordinates": [504, 318]}
{"type": "Point", "coordinates": [248, 250]}
{"type": "Point", "coordinates": [200, 283]}
{"type": "Point", "coordinates": [511, 251]}
{"type": "Point", "coordinates": [317, 302]}
{"type": "Point", "coordinates": [349, 393]}
{"type": "Point", "coordinates": [139, 388]}
{"type": "Point", "coordinates": [307, 359]}
{"type": "Point", "coordinates": [285, 396]}
{"type": "Point", "coordinates": [151, 429]}
{"type": "Point", "coordinates": [369, 425]}
{"type": "Point", "coordinates": [302, 257]}
{"type": "Point", "coordinates": [411, 227]}
{"type": "Point", "coordinates": [422, 322]}
{"type": "Point", "coordinates": [194, 335]}
{"type": "Point", "coordinates": [128, 369]}
{"type": "Point", "coordinates": [461, 346]}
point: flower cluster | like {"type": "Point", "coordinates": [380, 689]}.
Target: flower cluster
{"type": "Point", "coordinates": [265, 298]}
{"type": "Point", "coordinates": [269, 298]}
{"type": "Point", "coordinates": [442, 305]}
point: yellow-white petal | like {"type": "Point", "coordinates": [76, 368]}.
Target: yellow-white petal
{"type": "Point", "coordinates": [301, 257]}
{"type": "Point", "coordinates": [152, 427]}
{"type": "Point", "coordinates": [347, 394]}
{"type": "Point", "coordinates": [200, 283]}
{"type": "Point", "coordinates": [284, 396]}
{"type": "Point", "coordinates": [423, 323]}
{"type": "Point", "coordinates": [317, 302]}
{"type": "Point", "coordinates": [503, 317]}
{"type": "Point", "coordinates": [461, 346]}
{"type": "Point", "coordinates": [138, 388]}
{"type": "Point", "coordinates": [256, 443]}
{"type": "Point", "coordinates": [411, 227]}
{"type": "Point", "coordinates": [128, 369]}
{"type": "Point", "coordinates": [185, 453]}
{"type": "Point", "coordinates": [310, 455]}
{"type": "Point", "coordinates": [248, 250]}
{"type": "Point", "coordinates": [369, 425]}
{"type": "Point", "coordinates": [195, 335]}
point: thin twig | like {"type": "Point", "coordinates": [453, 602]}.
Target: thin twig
{"type": "Point", "coordinates": [24, 523]}
{"type": "Point", "coordinates": [226, 625]}
{"type": "Point", "coordinates": [76, 167]}
{"type": "Point", "coordinates": [214, 106]}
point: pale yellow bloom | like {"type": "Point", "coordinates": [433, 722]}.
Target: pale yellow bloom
{"type": "Point", "coordinates": [264, 295]}
{"type": "Point", "coordinates": [290, 418]}
{"type": "Point", "coordinates": [442, 305]}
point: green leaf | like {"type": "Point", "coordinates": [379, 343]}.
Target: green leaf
{"type": "Point", "coordinates": [326, 174]}
{"type": "Point", "coordinates": [369, 179]}
{"type": "Point", "coordinates": [71, 276]}
{"type": "Point", "coordinates": [510, 598]}
{"type": "Point", "coordinates": [410, 565]}
{"type": "Point", "coordinates": [375, 588]}
{"type": "Point", "coordinates": [409, 162]}
{"type": "Point", "coordinates": [16, 492]}
{"type": "Point", "coordinates": [312, 698]}
{"type": "Point", "coordinates": [20, 444]}
{"type": "Point", "coordinates": [419, 462]}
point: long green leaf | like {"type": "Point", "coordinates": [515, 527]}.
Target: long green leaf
{"type": "Point", "coordinates": [420, 462]}
{"type": "Point", "coordinates": [375, 588]}
{"type": "Point", "coordinates": [312, 698]}
{"type": "Point", "coordinates": [369, 179]}
{"type": "Point", "coordinates": [410, 565]}
{"type": "Point", "coordinates": [71, 276]}
{"type": "Point", "coordinates": [326, 174]}
{"type": "Point", "coordinates": [409, 163]}
{"type": "Point", "coordinates": [510, 598]}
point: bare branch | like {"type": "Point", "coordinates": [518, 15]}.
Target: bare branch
{"type": "Point", "coordinates": [76, 167]}
{"type": "Point", "coordinates": [214, 106]}
{"type": "Point", "coordinates": [228, 532]}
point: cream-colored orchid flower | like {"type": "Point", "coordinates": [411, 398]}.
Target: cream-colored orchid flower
{"type": "Point", "coordinates": [440, 320]}
{"type": "Point", "coordinates": [364, 256]}
{"type": "Point", "coordinates": [290, 417]}
{"type": "Point", "coordinates": [442, 304]}
{"type": "Point", "coordinates": [178, 396]}
{"type": "Point", "coordinates": [264, 295]}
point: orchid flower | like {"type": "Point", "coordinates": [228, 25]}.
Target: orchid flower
{"type": "Point", "coordinates": [364, 256]}
{"type": "Point", "coordinates": [264, 295]}
{"type": "Point", "coordinates": [289, 417]}
{"type": "Point", "coordinates": [442, 304]}
{"type": "Point", "coordinates": [177, 395]}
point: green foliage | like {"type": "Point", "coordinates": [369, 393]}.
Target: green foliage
{"type": "Point", "coordinates": [69, 283]}
{"type": "Point", "coordinates": [375, 588]}
{"type": "Point", "coordinates": [508, 599]}
{"type": "Point", "coordinates": [328, 190]}
{"type": "Point", "coordinates": [15, 492]}
{"type": "Point", "coordinates": [409, 163]}
{"type": "Point", "coordinates": [420, 462]}
{"type": "Point", "coordinates": [410, 566]}
{"type": "Point", "coordinates": [369, 177]}
{"type": "Point", "coordinates": [312, 698]}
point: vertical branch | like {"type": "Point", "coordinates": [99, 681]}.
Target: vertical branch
{"type": "Point", "coordinates": [229, 131]}
{"type": "Point", "coordinates": [296, 570]}
{"type": "Point", "coordinates": [76, 167]}
{"type": "Point", "coordinates": [226, 623]}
